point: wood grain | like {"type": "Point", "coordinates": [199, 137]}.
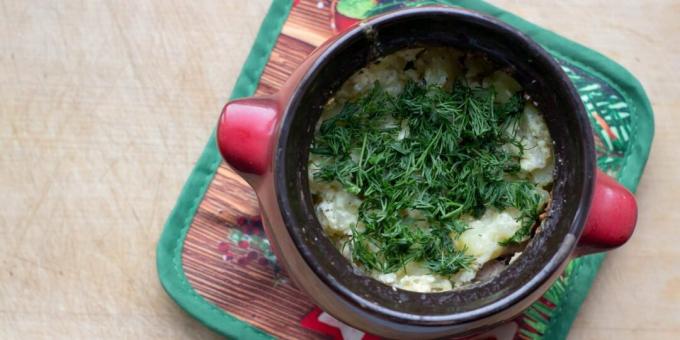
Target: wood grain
{"type": "Point", "coordinates": [106, 105]}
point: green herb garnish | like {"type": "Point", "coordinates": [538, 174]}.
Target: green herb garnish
{"type": "Point", "coordinates": [453, 160]}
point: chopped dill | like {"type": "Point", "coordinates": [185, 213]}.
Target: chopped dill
{"type": "Point", "coordinates": [420, 161]}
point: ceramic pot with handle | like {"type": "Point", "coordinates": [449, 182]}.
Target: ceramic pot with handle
{"type": "Point", "coordinates": [267, 140]}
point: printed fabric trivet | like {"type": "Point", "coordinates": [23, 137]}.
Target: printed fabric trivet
{"type": "Point", "coordinates": [215, 261]}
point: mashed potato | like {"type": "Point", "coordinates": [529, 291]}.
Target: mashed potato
{"type": "Point", "coordinates": [337, 209]}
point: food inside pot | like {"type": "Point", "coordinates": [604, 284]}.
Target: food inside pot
{"type": "Point", "coordinates": [431, 169]}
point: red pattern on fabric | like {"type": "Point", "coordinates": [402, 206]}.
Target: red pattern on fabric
{"type": "Point", "coordinates": [311, 321]}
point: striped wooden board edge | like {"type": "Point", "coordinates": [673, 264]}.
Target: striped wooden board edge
{"type": "Point", "coordinates": [226, 258]}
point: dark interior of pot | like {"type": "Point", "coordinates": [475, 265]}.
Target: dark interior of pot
{"type": "Point", "coordinates": [539, 76]}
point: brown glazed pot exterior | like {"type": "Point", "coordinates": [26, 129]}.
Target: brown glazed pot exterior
{"type": "Point", "coordinates": [266, 139]}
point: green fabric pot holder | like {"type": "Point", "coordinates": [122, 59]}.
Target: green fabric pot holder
{"type": "Point", "coordinates": [623, 125]}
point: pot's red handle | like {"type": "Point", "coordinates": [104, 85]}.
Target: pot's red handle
{"type": "Point", "coordinates": [245, 133]}
{"type": "Point", "coordinates": [612, 217]}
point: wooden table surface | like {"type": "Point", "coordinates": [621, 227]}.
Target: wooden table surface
{"type": "Point", "coordinates": [106, 105]}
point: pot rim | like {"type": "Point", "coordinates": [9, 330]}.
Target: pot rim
{"type": "Point", "coordinates": [559, 257]}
